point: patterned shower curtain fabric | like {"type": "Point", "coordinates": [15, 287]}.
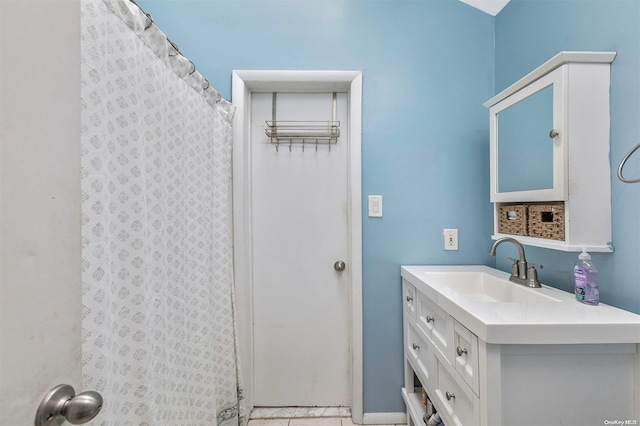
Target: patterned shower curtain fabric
{"type": "Point", "coordinates": [158, 326]}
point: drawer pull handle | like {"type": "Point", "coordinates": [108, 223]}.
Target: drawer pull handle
{"type": "Point", "coordinates": [415, 346]}
{"type": "Point", "coordinates": [429, 319]}
{"type": "Point", "coordinates": [409, 298]}
{"type": "Point", "coordinates": [460, 351]}
{"type": "Point", "coordinates": [450, 395]}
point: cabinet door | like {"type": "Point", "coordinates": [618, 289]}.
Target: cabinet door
{"type": "Point", "coordinates": [409, 300]}
{"type": "Point", "coordinates": [528, 149]}
{"type": "Point", "coordinates": [466, 356]}
{"type": "Point", "coordinates": [420, 354]}
{"type": "Point", "coordinates": [455, 401]}
{"type": "Point", "coordinates": [436, 324]}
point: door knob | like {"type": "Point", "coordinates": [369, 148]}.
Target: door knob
{"type": "Point", "coordinates": [61, 403]}
{"type": "Point", "coordinates": [339, 265]}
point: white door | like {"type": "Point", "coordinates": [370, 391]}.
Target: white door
{"type": "Point", "coordinates": [40, 273]}
{"type": "Point", "coordinates": [300, 229]}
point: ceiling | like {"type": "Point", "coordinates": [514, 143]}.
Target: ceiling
{"type": "Point", "coordinates": [492, 7]}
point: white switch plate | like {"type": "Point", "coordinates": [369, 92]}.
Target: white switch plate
{"type": "Point", "coordinates": [451, 239]}
{"type": "Point", "coordinates": [375, 205]}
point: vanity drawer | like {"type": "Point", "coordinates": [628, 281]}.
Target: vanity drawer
{"type": "Point", "coordinates": [437, 325]}
{"type": "Point", "coordinates": [466, 355]}
{"type": "Point", "coordinates": [420, 353]}
{"type": "Point", "coordinates": [409, 300]}
{"type": "Point", "coordinates": [455, 401]}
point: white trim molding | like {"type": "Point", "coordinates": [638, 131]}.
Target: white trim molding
{"type": "Point", "coordinates": [243, 84]}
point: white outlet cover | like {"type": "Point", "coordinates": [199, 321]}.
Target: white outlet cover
{"type": "Point", "coordinates": [451, 239]}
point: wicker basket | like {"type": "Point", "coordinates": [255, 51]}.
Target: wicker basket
{"type": "Point", "coordinates": [512, 219]}
{"type": "Point", "coordinates": [546, 221]}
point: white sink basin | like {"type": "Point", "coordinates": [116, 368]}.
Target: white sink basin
{"type": "Point", "coordinates": [485, 287]}
{"type": "Point", "coordinates": [502, 312]}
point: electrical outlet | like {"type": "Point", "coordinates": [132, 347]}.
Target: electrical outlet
{"type": "Point", "coordinates": [451, 239]}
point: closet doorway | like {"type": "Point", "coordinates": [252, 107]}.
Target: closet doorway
{"type": "Point", "coordinates": [297, 212]}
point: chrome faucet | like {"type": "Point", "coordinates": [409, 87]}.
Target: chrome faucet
{"type": "Point", "coordinates": [519, 272]}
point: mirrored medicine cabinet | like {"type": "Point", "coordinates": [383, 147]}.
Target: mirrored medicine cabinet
{"type": "Point", "coordinates": [549, 154]}
{"type": "Point", "coordinates": [525, 131]}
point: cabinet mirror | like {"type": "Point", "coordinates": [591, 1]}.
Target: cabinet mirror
{"type": "Point", "coordinates": [523, 136]}
{"type": "Point", "coordinates": [527, 156]}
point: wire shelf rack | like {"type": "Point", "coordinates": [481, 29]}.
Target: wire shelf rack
{"type": "Point", "coordinates": [305, 132]}
{"type": "Point", "coordinates": [321, 132]}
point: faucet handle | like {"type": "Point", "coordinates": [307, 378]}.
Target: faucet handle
{"type": "Point", "coordinates": [532, 275]}
{"type": "Point", "coordinates": [514, 267]}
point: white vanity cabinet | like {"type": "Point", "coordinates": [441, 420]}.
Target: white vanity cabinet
{"type": "Point", "coordinates": [549, 143]}
{"type": "Point", "coordinates": [443, 354]}
{"type": "Point", "coordinates": [517, 363]}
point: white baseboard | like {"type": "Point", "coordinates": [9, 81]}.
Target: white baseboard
{"type": "Point", "coordinates": [384, 418]}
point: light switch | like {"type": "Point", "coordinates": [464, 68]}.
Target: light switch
{"type": "Point", "coordinates": [375, 205]}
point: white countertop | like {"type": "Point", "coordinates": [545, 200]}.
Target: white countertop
{"type": "Point", "coordinates": [564, 321]}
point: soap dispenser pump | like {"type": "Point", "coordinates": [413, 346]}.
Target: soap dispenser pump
{"type": "Point", "coordinates": [586, 280]}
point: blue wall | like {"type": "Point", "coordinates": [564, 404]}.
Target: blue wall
{"type": "Point", "coordinates": [427, 68]}
{"type": "Point", "coordinates": [527, 34]}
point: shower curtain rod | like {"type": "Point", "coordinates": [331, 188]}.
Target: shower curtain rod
{"type": "Point", "coordinates": [172, 44]}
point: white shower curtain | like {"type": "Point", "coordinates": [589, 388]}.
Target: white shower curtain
{"type": "Point", "coordinates": [158, 316]}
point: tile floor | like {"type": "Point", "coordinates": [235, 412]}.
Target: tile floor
{"type": "Point", "coordinates": [309, 421]}
{"type": "Point", "coordinates": [302, 416]}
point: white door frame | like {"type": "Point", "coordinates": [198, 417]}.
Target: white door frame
{"type": "Point", "coordinates": [243, 84]}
